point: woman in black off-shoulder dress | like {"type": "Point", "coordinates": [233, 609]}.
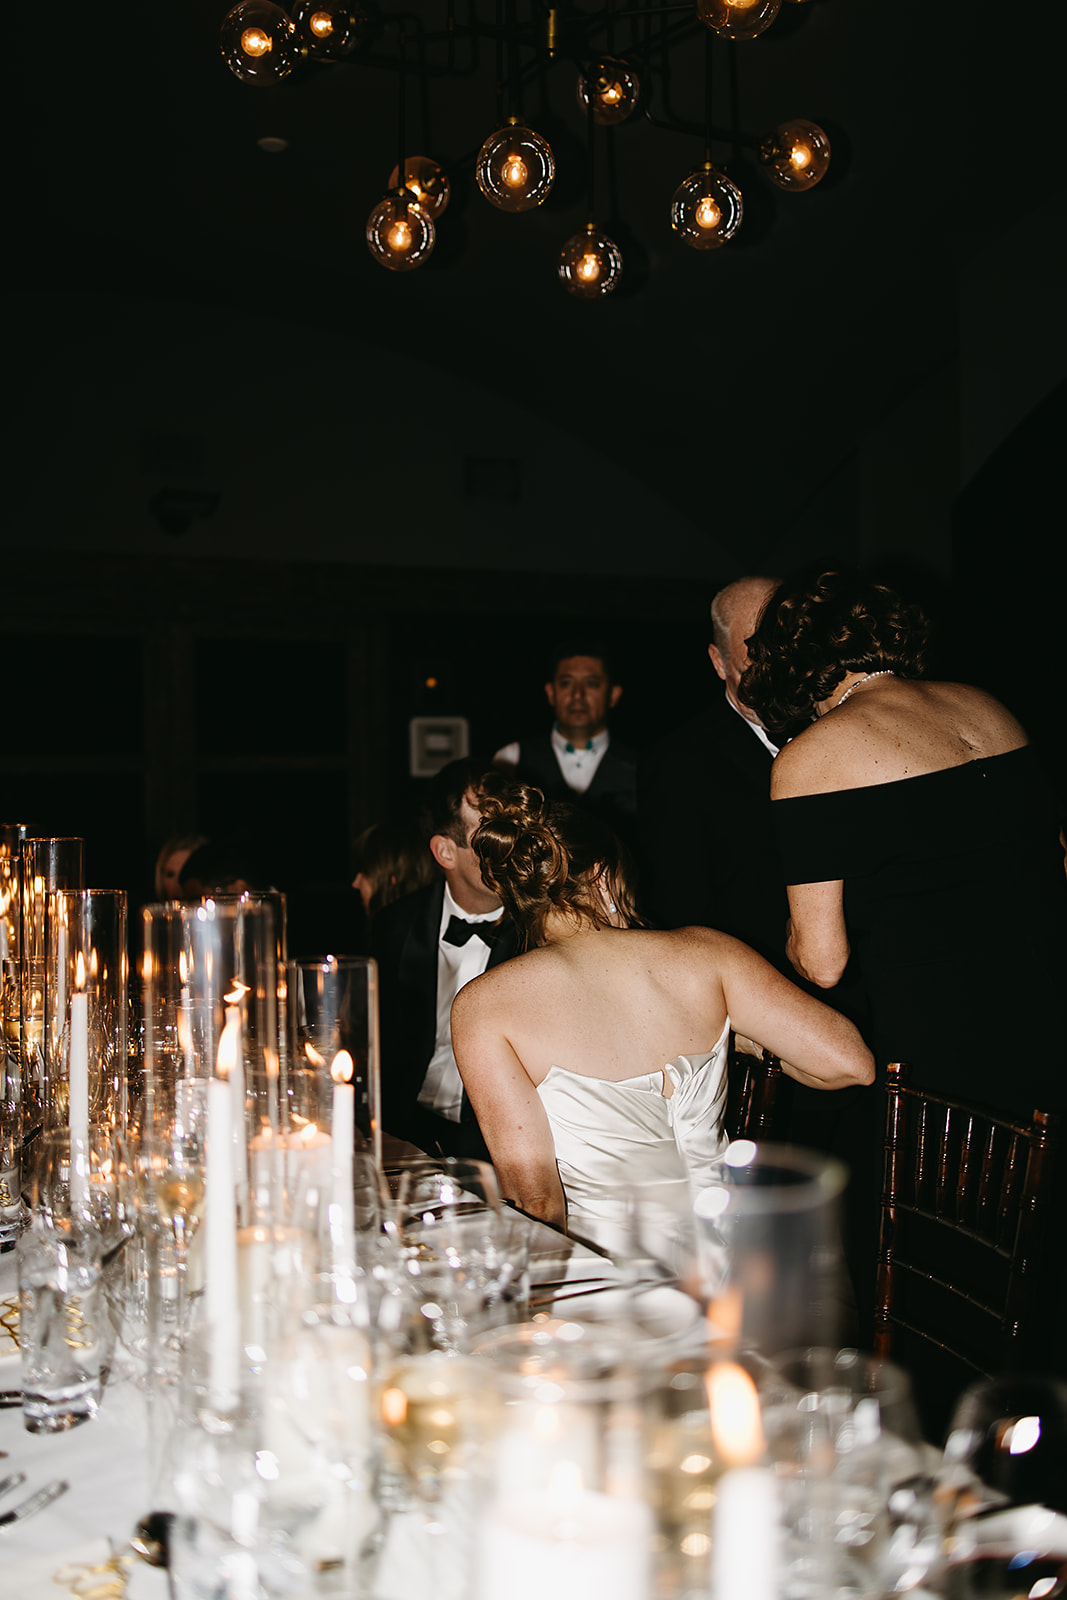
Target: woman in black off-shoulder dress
{"type": "Point", "coordinates": [920, 842]}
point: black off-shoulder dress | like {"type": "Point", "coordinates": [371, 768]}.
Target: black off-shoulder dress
{"type": "Point", "coordinates": [955, 904]}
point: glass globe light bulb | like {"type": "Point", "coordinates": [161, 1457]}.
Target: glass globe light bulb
{"type": "Point", "coordinates": [258, 42]}
{"type": "Point", "coordinates": [515, 169]}
{"type": "Point", "coordinates": [796, 155]}
{"type": "Point", "coordinates": [400, 235]}
{"type": "Point", "coordinates": [426, 182]}
{"type": "Point", "coordinates": [331, 29]}
{"type": "Point", "coordinates": [615, 89]}
{"type": "Point", "coordinates": [738, 19]}
{"type": "Point", "coordinates": [590, 264]}
{"type": "Point", "coordinates": [706, 209]}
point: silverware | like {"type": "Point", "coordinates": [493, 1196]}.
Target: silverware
{"type": "Point", "coordinates": [35, 1503]}
{"type": "Point", "coordinates": [151, 1540]}
{"type": "Point", "coordinates": [13, 1482]}
{"type": "Point", "coordinates": [10, 1397]}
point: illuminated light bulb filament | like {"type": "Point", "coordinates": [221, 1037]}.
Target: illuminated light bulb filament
{"type": "Point", "coordinates": [254, 42]}
{"type": "Point", "coordinates": [800, 156]}
{"type": "Point", "coordinates": [611, 93]}
{"type": "Point", "coordinates": [321, 24]}
{"type": "Point", "coordinates": [741, 5]}
{"type": "Point", "coordinates": [399, 235]}
{"type": "Point", "coordinates": [588, 268]}
{"type": "Point", "coordinates": [708, 214]}
{"type": "Point", "coordinates": [515, 171]}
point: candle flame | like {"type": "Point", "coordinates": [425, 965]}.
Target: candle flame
{"type": "Point", "coordinates": [183, 968]}
{"type": "Point", "coordinates": [237, 993]}
{"type": "Point", "coordinates": [735, 1415]}
{"type": "Point", "coordinates": [79, 972]}
{"type": "Point", "coordinates": [313, 1055]}
{"type": "Point", "coordinates": [394, 1407]}
{"type": "Point", "coordinates": [343, 1067]}
{"type": "Point", "coordinates": [309, 1133]}
{"type": "Point", "coordinates": [226, 1059]}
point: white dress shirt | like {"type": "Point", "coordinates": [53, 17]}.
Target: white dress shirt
{"type": "Point", "coordinates": [757, 728]}
{"type": "Point", "coordinates": [577, 764]}
{"type": "Point", "coordinates": [457, 964]}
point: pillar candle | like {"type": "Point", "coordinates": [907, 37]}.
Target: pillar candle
{"type": "Point", "coordinates": [220, 1249]}
{"type": "Point", "coordinates": [343, 1126]}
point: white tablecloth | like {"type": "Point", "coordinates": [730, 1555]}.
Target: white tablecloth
{"type": "Point", "coordinates": [106, 1461]}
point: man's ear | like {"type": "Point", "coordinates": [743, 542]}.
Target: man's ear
{"type": "Point", "coordinates": [550, 694]}
{"type": "Point", "coordinates": [717, 661]}
{"type": "Point", "coordinates": [616, 696]}
{"type": "Point", "coordinates": [443, 850]}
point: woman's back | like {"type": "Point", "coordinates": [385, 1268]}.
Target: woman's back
{"type": "Point", "coordinates": [894, 728]}
{"type": "Point", "coordinates": [612, 1003]}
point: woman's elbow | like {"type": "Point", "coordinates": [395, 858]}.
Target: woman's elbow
{"type": "Point", "coordinates": [863, 1068]}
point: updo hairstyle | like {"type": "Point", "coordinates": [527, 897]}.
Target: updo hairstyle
{"type": "Point", "coordinates": [546, 856]}
{"type": "Point", "coordinates": [814, 631]}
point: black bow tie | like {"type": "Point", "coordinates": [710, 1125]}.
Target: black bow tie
{"type": "Point", "coordinates": [459, 930]}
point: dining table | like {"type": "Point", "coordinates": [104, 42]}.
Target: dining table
{"type": "Point", "coordinates": [79, 1545]}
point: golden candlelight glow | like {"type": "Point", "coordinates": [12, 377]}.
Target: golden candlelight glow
{"type": "Point", "coordinates": [313, 1055]}
{"type": "Point", "coordinates": [611, 93]}
{"type": "Point", "coordinates": [237, 993]}
{"type": "Point", "coordinates": [708, 213]}
{"type": "Point", "coordinates": [79, 972]}
{"type": "Point", "coordinates": [309, 1134]}
{"type": "Point", "coordinates": [394, 1407]}
{"type": "Point", "coordinates": [736, 1426]}
{"type": "Point", "coordinates": [515, 171]}
{"type": "Point", "coordinates": [342, 1069]}
{"type": "Point", "coordinates": [254, 42]}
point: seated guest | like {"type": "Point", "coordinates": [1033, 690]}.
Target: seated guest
{"type": "Point", "coordinates": [579, 760]}
{"type": "Point", "coordinates": [170, 861]}
{"type": "Point", "coordinates": [597, 1059]}
{"type": "Point", "coordinates": [391, 861]}
{"type": "Point", "coordinates": [428, 945]}
{"type": "Point", "coordinates": [223, 866]}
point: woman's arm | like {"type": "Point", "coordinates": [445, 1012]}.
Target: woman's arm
{"type": "Point", "coordinates": [506, 1104]}
{"type": "Point", "coordinates": [816, 1045]}
{"type": "Point", "coordinates": [817, 941]}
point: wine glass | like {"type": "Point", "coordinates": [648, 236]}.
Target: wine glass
{"type": "Point", "coordinates": [1003, 1490]}
{"type": "Point", "coordinates": [175, 1174]}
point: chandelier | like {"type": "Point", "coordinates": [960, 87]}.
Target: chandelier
{"type": "Point", "coordinates": [615, 54]}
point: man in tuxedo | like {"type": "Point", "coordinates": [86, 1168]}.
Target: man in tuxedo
{"type": "Point", "coordinates": [578, 760]}
{"type": "Point", "coordinates": [428, 945]}
{"type": "Point", "coordinates": [704, 802]}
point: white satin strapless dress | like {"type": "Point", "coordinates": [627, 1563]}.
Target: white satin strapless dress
{"type": "Point", "coordinates": [611, 1137]}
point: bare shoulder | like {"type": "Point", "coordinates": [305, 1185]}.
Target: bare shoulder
{"type": "Point", "coordinates": [796, 762]}
{"type": "Point", "coordinates": [982, 720]}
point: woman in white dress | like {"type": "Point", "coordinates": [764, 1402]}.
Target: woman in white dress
{"type": "Point", "coordinates": [596, 1060]}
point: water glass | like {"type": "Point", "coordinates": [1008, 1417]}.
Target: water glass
{"type": "Point", "coordinates": [65, 1332]}
{"type": "Point", "coordinates": [857, 1497]}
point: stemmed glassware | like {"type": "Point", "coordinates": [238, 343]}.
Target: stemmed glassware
{"type": "Point", "coordinates": [1003, 1491]}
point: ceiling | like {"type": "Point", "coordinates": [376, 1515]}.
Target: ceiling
{"type": "Point", "coordinates": [739, 383]}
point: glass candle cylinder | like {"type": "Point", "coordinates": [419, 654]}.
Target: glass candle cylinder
{"type": "Point", "coordinates": [769, 1262]}
{"type": "Point", "coordinates": [334, 1042]}
{"type": "Point", "coordinates": [45, 865]}
{"type": "Point", "coordinates": [87, 985]}
{"type": "Point", "coordinates": [569, 1513]}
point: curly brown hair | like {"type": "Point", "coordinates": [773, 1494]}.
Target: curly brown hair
{"type": "Point", "coordinates": [545, 856]}
{"type": "Point", "coordinates": [815, 630]}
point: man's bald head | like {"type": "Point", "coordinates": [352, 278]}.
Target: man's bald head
{"type": "Point", "coordinates": [735, 612]}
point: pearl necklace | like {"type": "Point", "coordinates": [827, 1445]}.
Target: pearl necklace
{"type": "Point", "coordinates": [885, 673]}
